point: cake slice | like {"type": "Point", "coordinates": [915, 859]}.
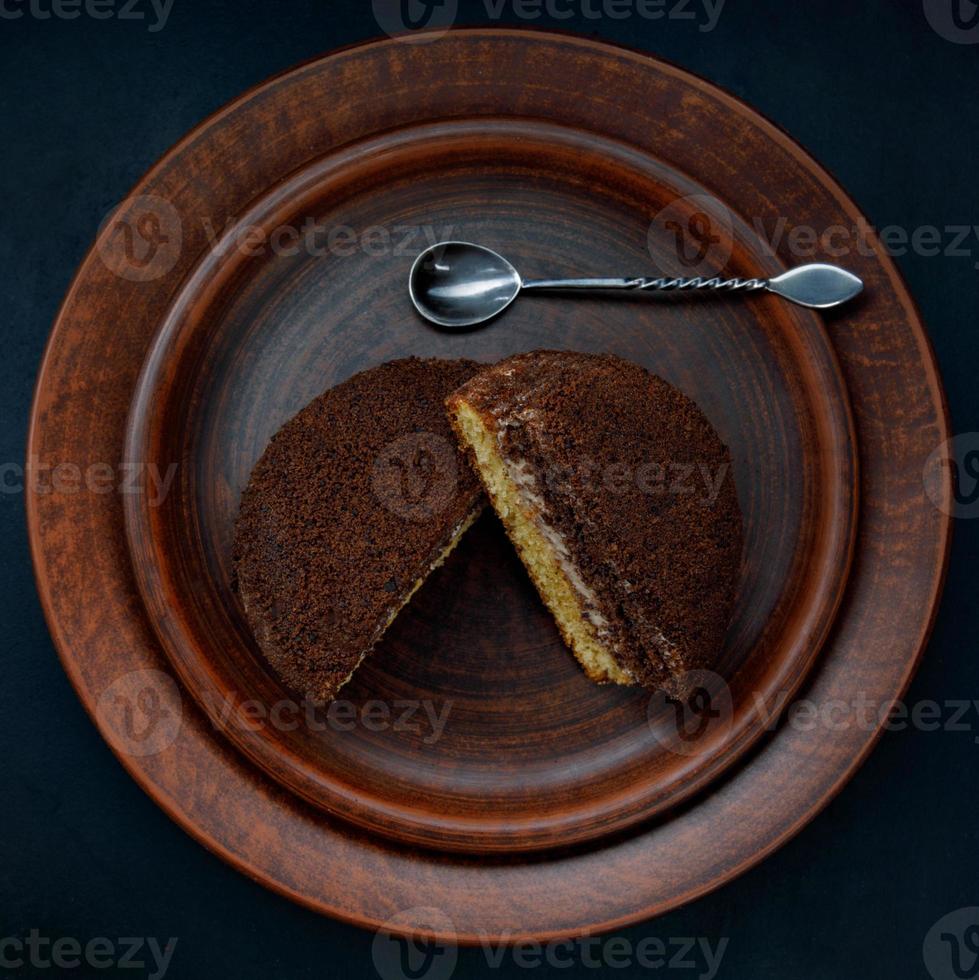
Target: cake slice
{"type": "Point", "coordinates": [354, 502]}
{"type": "Point", "coordinates": [619, 498]}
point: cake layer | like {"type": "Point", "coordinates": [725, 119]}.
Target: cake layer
{"type": "Point", "coordinates": [354, 501]}
{"type": "Point", "coordinates": [619, 496]}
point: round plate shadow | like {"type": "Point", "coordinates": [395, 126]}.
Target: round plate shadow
{"type": "Point", "coordinates": [203, 332]}
{"type": "Point", "coordinates": [514, 748]}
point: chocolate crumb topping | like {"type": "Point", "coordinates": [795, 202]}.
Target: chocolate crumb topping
{"type": "Point", "coordinates": [351, 505]}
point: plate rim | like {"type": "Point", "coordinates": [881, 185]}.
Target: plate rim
{"type": "Point", "coordinates": [145, 776]}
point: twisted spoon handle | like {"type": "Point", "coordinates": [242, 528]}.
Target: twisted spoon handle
{"type": "Point", "coordinates": [817, 286]}
{"type": "Point", "coordinates": [662, 283]}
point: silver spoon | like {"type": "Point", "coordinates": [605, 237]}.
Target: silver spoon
{"type": "Point", "coordinates": [457, 285]}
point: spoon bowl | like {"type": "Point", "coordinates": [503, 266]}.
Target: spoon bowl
{"type": "Point", "coordinates": [458, 285]}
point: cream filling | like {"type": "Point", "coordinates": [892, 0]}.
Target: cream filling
{"type": "Point", "coordinates": [514, 493]}
{"type": "Point", "coordinates": [525, 481]}
{"type": "Point", "coordinates": [519, 472]}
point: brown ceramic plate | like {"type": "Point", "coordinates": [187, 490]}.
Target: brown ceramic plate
{"type": "Point", "coordinates": [264, 259]}
{"type": "Point", "coordinates": [532, 755]}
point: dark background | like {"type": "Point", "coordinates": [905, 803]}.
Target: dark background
{"type": "Point", "coordinates": [879, 97]}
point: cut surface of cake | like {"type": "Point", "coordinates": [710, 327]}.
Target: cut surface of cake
{"type": "Point", "coordinates": [619, 497]}
{"type": "Point", "coordinates": [354, 501]}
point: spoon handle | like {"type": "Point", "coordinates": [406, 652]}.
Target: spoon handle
{"type": "Point", "coordinates": [663, 283]}
{"type": "Point", "coordinates": [816, 286]}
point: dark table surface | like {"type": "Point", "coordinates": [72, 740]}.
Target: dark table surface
{"type": "Point", "coordinates": [881, 93]}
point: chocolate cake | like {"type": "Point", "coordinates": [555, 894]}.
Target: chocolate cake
{"type": "Point", "coordinates": [619, 497]}
{"type": "Point", "coordinates": [356, 499]}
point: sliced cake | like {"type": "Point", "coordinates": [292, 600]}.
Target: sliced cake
{"type": "Point", "coordinates": [356, 499]}
{"type": "Point", "coordinates": [619, 497]}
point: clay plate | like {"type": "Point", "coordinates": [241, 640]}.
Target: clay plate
{"type": "Point", "coordinates": [206, 342]}
{"type": "Point", "coordinates": [532, 754]}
